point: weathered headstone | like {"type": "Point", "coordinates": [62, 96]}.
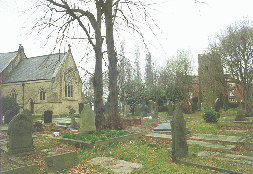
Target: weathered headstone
{"type": "Point", "coordinates": [20, 134]}
{"type": "Point", "coordinates": [170, 109]}
{"type": "Point", "coordinates": [28, 113]}
{"type": "Point", "coordinates": [164, 127]}
{"type": "Point", "coordinates": [87, 120]}
{"type": "Point", "coordinates": [178, 127]}
{"type": "Point", "coordinates": [240, 116]}
{"type": "Point", "coordinates": [48, 116]}
{"type": "Point", "coordinates": [150, 106]}
{"type": "Point", "coordinates": [155, 115]}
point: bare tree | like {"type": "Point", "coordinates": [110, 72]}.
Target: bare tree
{"type": "Point", "coordinates": [62, 15]}
{"type": "Point", "coordinates": [117, 12]}
{"type": "Point", "coordinates": [235, 47]}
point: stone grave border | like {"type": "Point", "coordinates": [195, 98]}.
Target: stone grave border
{"type": "Point", "coordinates": [188, 163]}
{"type": "Point", "coordinates": [31, 169]}
{"type": "Point", "coordinates": [59, 162]}
{"type": "Point", "coordinates": [99, 143]}
{"type": "Point", "coordinates": [22, 169]}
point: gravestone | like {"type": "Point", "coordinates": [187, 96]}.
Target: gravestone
{"type": "Point", "coordinates": [170, 109]}
{"type": "Point", "coordinates": [150, 106]}
{"type": "Point", "coordinates": [166, 128]}
{"type": "Point", "coordinates": [28, 113]}
{"type": "Point", "coordinates": [155, 115]}
{"type": "Point", "coordinates": [163, 127]}
{"type": "Point", "coordinates": [20, 134]}
{"type": "Point", "coordinates": [240, 116]}
{"type": "Point", "coordinates": [87, 120]}
{"type": "Point", "coordinates": [48, 116]}
{"type": "Point", "coordinates": [178, 127]}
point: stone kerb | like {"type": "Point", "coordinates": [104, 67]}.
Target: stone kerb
{"type": "Point", "coordinates": [59, 162]}
{"type": "Point", "coordinates": [101, 142]}
{"type": "Point", "coordinates": [31, 169]}
{"type": "Point", "coordinates": [73, 142]}
{"type": "Point", "coordinates": [20, 134]}
{"type": "Point", "coordinates": [123, 138]}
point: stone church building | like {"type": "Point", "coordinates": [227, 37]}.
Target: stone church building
{"type": "Point", "coordinates": [50, 82]}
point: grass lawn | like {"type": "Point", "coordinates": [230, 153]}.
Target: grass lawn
{"type": "Point", "coordinates": [95, 136]}
{"type": "Point", "coordinates": [151, 153]}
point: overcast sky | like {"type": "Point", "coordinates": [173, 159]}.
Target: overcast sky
{"type": "Point", "coordinates": [184, 25]}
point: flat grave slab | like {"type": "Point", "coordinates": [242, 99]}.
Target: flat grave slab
{"type": "Point", "coordinates": [229, 157]}
{"type": "Point", "coordinates": [164, 127]}
{"type": "Point", "coordinates": [210, 137]}
{"type": "Point", "coordinates": [157, 135]}
{"type": "Point", "coordinates": [117, 166]}
{"type": "Point", "coordinates": [207, 144]}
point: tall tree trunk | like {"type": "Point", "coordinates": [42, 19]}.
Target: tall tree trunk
{"type": "Point", "coordinates": [113, 89]}
{"type": "Point", "coordinates": [247, 93]}
{"type": "Point", "coordinates": [98, 78]}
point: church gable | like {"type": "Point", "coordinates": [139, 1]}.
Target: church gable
{"type": "Point", "coordinates": [68, 80]}
{"type": "Point", "coordinates": [8, 61]}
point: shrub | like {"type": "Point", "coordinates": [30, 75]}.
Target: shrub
{"type": "Point", "coordinates": [210, 116]}
{"type": "Point", "coordinates": [9, 103]}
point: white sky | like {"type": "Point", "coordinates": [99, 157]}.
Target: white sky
{"type": "Point", "coordinates": [185, 25]}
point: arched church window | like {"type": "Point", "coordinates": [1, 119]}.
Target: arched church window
{"type": "Point", "coordinates": [68, 87]}
{"type": "Point", "coordinates": [14, 93]}
{"type": "Point", "coordinates": [42, 94]}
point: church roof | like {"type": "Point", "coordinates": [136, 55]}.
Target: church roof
{"type": "Point", "coordinates": [6, 58]}
{"type": "Point", "coordinates": [36, 68]}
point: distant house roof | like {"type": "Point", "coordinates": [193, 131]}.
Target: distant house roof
{"type": "Point", "coordinates": [6, 58]}
{"type": "Point", "coordinates": [36, 68]}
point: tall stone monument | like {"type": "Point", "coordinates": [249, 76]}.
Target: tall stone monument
{"type": "Point", "coordinates": [20, 134]}
{"type": "Point", "coordinates": [87, 120]}
{"type": "Point", "coordinates": [178, 128]}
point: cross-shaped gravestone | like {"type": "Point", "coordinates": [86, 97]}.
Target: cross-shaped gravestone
{"type": "Point", "coordinates": [72, 116]}
{"type": "Point", "coordinates": [20, 134]}
{"type": "Point", "coordinates": [87, 120]}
